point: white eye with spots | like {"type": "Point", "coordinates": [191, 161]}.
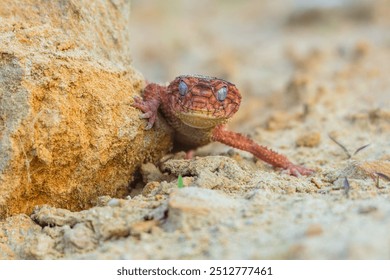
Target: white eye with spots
{"type": "Point", "coordinates": [183, 88]}
{"type": "Point", "coordinates": [222, 93]}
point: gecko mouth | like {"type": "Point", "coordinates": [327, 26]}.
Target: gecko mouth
{"type": "Point", "coordinates": [201, 119]}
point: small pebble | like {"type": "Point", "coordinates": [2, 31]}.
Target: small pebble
{"type": "Point", "coordinates": [310, 140]}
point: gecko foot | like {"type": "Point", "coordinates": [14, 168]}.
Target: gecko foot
{"type": "Point", "coordinates": [297, 170]}
{"type": "Point", "coordinates": [149, 109]}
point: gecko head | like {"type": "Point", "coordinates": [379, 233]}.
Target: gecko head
{"type": "Point", "coordinates": [202, 101]}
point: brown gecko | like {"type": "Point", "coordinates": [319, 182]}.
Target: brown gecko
{"type": "Point", "coordinates": [198, 107]}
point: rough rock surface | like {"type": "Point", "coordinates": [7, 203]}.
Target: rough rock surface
{"type": "Point", "coordinates": [68, 133]}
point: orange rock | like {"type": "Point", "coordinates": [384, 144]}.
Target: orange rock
{"type": "Point", "coordinates": [68, 132]}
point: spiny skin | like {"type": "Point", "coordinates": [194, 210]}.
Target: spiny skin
{"type": "Point", "coordinates": [198, 107]}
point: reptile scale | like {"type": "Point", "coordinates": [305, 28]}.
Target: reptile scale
{"type": "Point", "coordinates": [198, 107]}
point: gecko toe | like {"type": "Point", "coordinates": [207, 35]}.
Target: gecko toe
{"type": "Point", "coordinates": [299, 171]}
{"type": "Point", "coordinates": [146, 115]}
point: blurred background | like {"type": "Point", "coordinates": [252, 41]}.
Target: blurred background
{"type": "Point", "coordinates": [266, 48]}
{"type": "Point", "coordinates": [244, 41]}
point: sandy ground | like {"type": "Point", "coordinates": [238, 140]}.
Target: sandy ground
{"type": "Point", "coordinates": [307, 73]}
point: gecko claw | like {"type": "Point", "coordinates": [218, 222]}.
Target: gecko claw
{"type": "Point", "coordinates": [148, 126]}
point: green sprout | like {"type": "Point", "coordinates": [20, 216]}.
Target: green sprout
{"type": "Point", "coordinates": [180, 183]}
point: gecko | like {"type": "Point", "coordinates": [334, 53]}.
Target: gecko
{"type": "Point", "coordinates": [198, 107]}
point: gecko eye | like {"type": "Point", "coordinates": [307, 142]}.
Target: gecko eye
{"type": "Point", "coordinates": [221, 93]}
{"type": "Point", "coordinates": [183, 88]}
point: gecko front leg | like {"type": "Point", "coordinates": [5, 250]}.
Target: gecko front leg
{"type": "Point", "coordinates": [239, 141]}
{"type": "Point", "coordinates": [150, 103]}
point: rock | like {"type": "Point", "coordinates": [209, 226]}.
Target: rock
{"type": "Point", "coordinates": [151, 173]}
{"type": "Point", "coordinates": [213, 172]}
{"type": "Point", "coordinates": [54, 233]}
{"type": "Point", "coordinates": [78, 239]}
{"type": "Point", "coordinates": [15, 233]}
{"type": "Point", "coordinates": [151, 188]}
{"type": "Point", "coordinates": [195, 208]}
{"type": "Point", "coordinates": [68, 133]}
{"type": "Point", "coordinates": [309, 139]}
{"type": "Point", "coordinates": [140, 227]}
